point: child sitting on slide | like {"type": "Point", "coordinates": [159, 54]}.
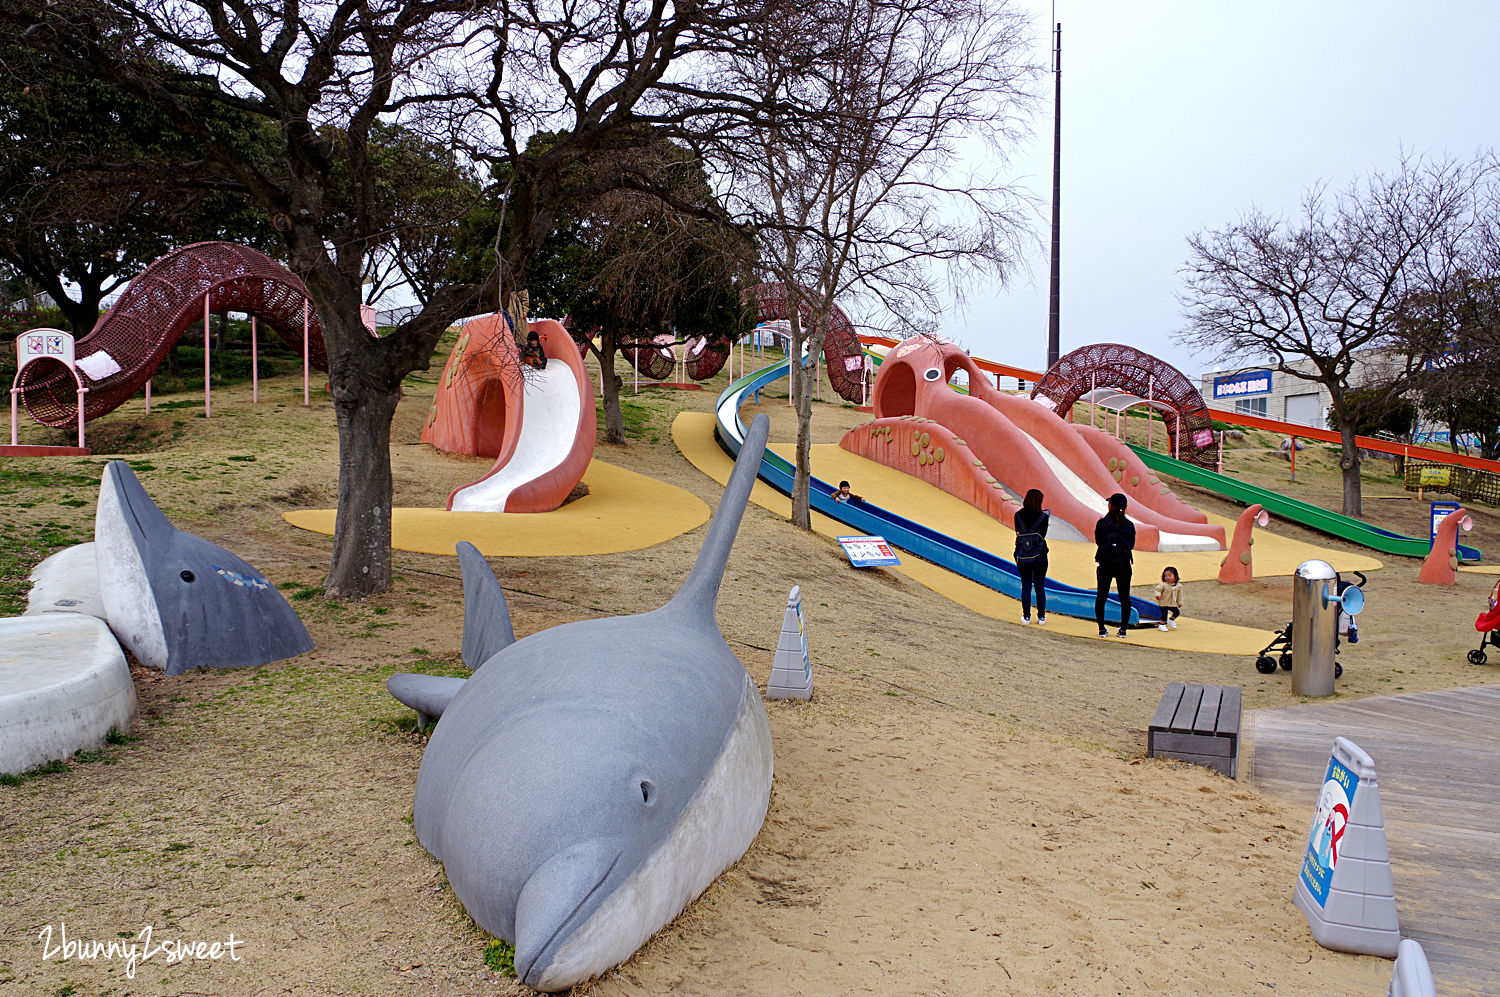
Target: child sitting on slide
{"type": "Point", "coordinates": [1168, 594]}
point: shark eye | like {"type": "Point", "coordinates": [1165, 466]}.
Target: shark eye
{"type": "Point", "coordinates": [648, 792]}
{"type": "Point", "coordinates": [188, 576]}
{"type": "Point", "coordinates": [933, 374]}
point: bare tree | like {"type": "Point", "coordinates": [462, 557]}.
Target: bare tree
{"type": "Point", "coordinates": [1460, 329]}
{"type": "Point", "coordinates": [851, 178]}
{"type": "Point", "coordinates": [1325, 285]}
{"type": "Point", "coordinates": [482, 76]}
{"type": "Point", "coordinates": [626, 267]}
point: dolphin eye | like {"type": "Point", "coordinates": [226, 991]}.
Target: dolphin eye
{"type": "Point", "coordinates": [188, 576]}
{"type": "Point", "coordinates": [933, 374]}
{"type": "Point", "coordinates": [648, 792]}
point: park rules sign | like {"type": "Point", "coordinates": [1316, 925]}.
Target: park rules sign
{"type": "Point", "coordinates": [1330, 821]}
{"type": "Point", "coordinates": [1344, 885]}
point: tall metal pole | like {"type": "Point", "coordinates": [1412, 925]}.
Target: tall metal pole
{"type": "Point", "coordinates": [1054, 338]}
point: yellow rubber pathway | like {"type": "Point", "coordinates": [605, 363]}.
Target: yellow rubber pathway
{"type": "Point", "coordinates": [622, 511]}
{"type": "Point", "coordinates": [1071, 562]}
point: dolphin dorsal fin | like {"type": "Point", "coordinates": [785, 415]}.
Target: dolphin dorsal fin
{"type": "Point", "coordinates": [136, 507]}
{"type": "Point", "coordinates": [487, 629]}
{"type": "Point", "coordinates": [700, 592]}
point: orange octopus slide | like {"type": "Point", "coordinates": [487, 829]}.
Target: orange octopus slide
{"type": "Point", "coordinates": [538, 424]}
{"type": "Point", "coordinates": [988, 448]}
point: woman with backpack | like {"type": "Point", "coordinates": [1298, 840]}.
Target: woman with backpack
{"type": "Point", "coordinates": [1031, 555]}
{"type": "Point", "coordinates": [1115, 537]}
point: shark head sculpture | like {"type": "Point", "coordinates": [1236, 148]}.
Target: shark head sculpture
{"type": "Point", "coordinates": [178, 601]}
{"type": "Point", "coordinates": [587, 782]}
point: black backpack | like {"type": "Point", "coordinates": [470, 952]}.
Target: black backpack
{"type": "Point", "coordinates": [1114, 548]}
{"type": "Point", "coordinates": [1030, 547]}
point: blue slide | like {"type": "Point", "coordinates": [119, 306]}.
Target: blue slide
{"type": "Point", "coordinates": [982, 566]}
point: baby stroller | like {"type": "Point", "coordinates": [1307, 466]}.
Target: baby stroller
{"type": "Point", "coordinates": [1487, 625]}
{"type": "Point", "coordinates": [1279, 650]}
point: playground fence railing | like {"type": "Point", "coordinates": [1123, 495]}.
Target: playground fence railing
{"type": "Point", "coordinates": [1466, 483]}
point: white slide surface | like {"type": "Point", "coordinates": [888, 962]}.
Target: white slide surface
{"type": "Point", "coordinates": [1080, 490]}
{"type": "Point", "coordinates": [549, 424]}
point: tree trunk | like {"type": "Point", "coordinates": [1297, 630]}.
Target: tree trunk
{"type": "Point", "coordinates": [362, 534]}
{"type": "Point", "coordinates": [81, 315]}
{"type": "Point", "coordinates": [614, 422]}
{"type": "Point", "coordinates": [1349, 465]}
{"type": "Point", "coordinates": [801, 392]}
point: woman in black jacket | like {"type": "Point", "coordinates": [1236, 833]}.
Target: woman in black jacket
{"type": "Point", "coordinates": [1031, 555]}
{"type": "Point", "coordinates": [1115, 537]}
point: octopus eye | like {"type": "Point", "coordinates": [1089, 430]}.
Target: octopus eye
{"type": "Point", "coordinates": [933, 374]}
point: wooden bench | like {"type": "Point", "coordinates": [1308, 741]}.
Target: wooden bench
{"type": "Point", "coordinates": [1200, 724]}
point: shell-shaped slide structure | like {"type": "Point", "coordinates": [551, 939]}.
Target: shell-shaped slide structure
{"type": "Point", "coordinates": [538, 424]}
{"type": "Point", "coordinates": [988, 448]}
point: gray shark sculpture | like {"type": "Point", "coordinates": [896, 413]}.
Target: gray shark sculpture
{"type": "Point", "coordinates": [587, 782]}
{"type": "Point", "coordinates": [178, 601]}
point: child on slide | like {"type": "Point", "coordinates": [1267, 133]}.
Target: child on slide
{"type": "Point", "coordinates": [1168, 594]}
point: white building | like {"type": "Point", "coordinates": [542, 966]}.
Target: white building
{"type": "Point", "coordinates": [1273, 394]}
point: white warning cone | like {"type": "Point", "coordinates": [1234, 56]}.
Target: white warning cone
{"type": "Point", "coordinates": [791, 672]}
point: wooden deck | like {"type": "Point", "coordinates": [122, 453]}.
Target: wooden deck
{"type": "Point", "coordinates": [1437, 759]}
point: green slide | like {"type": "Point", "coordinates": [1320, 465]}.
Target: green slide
{"type": "Point", "coordinates": [1295, 510]}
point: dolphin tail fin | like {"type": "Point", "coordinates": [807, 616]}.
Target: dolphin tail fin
{"type": "Point", "coordinates": [700, 593]}
{"type": "Point", "coordinates": [429, 695]}
{"type": "Point", "coordinates": [487, 628]}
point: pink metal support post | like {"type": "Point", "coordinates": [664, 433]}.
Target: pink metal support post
{"type": "Point", "coordinates": [306, 369]}
{"type": "Point", "coordinates": [254, 363]}
{"type": "Point", "coordinates": [148, 397]}
{"type": "Point", "coordinates": [1150, 423]}
{"type": "Point", "coordinates": [208, 399]}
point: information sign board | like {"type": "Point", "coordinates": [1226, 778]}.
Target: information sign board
{"type": "Point", "coordinates": [868, 552]}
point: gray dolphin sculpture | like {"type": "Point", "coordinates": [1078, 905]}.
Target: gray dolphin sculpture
{"type": "Point", "coordinates": [178, 601]}
{"type": "Point", "coordinates": [587, 782]}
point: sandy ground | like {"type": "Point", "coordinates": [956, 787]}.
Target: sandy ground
{"type": "Point", "coordinates": [962, 808]}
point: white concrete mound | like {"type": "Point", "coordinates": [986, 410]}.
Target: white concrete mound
{"type": "Point", "coordinates": [64, 685]}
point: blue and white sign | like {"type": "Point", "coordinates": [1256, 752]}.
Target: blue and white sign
{"type": "Point", "coordinates": [1250, 382]}
{"type": "Point", "coordinates": [1440, 512]}
{"type": "Point", "coordinates": [868, 552]}
{"type": "Point", "coordinates": [1330, 820]}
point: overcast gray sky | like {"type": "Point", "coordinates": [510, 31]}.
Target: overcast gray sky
{"type": "Point", "coordinates": [1178, 116]}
